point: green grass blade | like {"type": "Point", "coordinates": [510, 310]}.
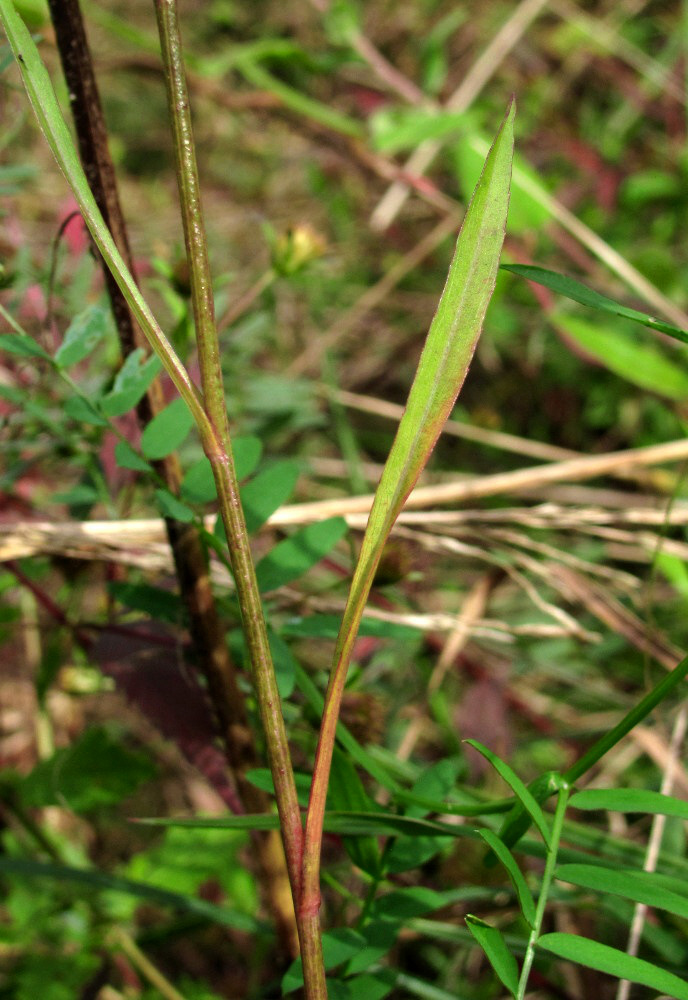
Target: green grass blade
{"type": "Point", "coordinates": [578, 292]}
{"type": "Point", "coordinates": [601, 957]}
{"type": "Point", "coordinates": [635, 886]}
{"type": "Point", "coordinates": [629, 721]}
{"type": "Point", "coordinates": [523, 893]}
{"type": "Point", "coordinates": [45, 105]}
{"type": "Point", "coordinates": [635, 800]}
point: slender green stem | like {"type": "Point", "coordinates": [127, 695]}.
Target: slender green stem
{"type": "Point", "coordinates": [218, 448]}
{"type": "Point", "coordinates": [629, 721]}
{"type": "Point", "coordinates": [557, 826]}
{"type": "Point", "coordinates": [192, 216]}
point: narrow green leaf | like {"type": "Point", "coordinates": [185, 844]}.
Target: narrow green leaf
{"type": "Point", "coordinates": [127, 458]}
{"type": "Point", "coordinates": [24, 346]}
{"type": "Point", "coordinates": [640, 364]}
{"type": "Point", "coordinates": [518, 788]}
{"type": "Point", "coordinates": [405, 128]}
{"type": "Point", "coordinates": [633, 800]}
{"type": "Point", "coordinates": [377, 824]}
{"type": "Point", "coordinates": [99, 880]}
{"type": "Point", "coordinates": [449, 345]}
{"type": "Point", "coordinates": [294, 556]}
{"type": "Point", "coordinates": [494, 946]}
{"type": "Point", "coordinates": [441, 371]}
{"type": "Point", "coordinates": [404, 904]}
{"type": "Point", "coordinates": [83, 335]}
{"type": "Point", "coordinates": [171, 507]}
{"type": "Point", "coordinates": [579, 292]}
{"type": "Point", "coordinates": [131, 382]}
{"type": "Point", "coordinates": [166, 431]}
{"type": "Point", "coordinates": [523, 893]}
{"type": "Point", "coordinates": [629, 721]}
{"type": "Point", "coordinates": [640, 887]}
{"type": "Point", "coordinates": [529, 209]}
{"type": "Point", "coordinates": [617, 963]}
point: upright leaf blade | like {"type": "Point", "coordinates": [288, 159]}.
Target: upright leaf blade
{"type": "Point", "coordinates": [446, 356]}
{"type": "Point", "coordinates": [441, 371]}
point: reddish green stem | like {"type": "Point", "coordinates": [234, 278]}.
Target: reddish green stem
{"type": "Point", "coordinates": [217, 445]}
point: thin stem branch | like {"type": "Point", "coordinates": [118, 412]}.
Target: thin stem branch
{"type": "Point", "coordinates": [218, 447]}
{"type": "Point", "coordinates": [557, 825]}
{"type": "Point", "coordinates": [192, 216]}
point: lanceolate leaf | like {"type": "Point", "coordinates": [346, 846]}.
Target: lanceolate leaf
{"type": "Point", "coordinates": [494, 946]}
{"type": "Point", "coordinates": [441, 371]}
{"type": "Point", "coordinates": [635, 800]}
{"type": "Point", "coordinates": [448, 350]}
{"type": "Point", "coordinates": [83, 334]}
{"type": "Point", "coordinates": [579, 292]}
{"type": "Point", "coordinates": [526, 798]}
{"type": "Point", "coordinates": [525, 898]}
{"type": "Point", "coordinates": [641, 887]}
{"type": "Point", "coordinates": [616, 963]}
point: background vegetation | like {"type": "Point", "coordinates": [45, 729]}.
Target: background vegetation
{"type": "Point", "coordinates": [525, 609]}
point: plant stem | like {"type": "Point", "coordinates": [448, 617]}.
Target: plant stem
{"type": "Point", "coordinates": [207, 633]}
{"type": "Point", "coordinates": [557, 825]}
{"type": "Point", "coordinates": [217, 446]}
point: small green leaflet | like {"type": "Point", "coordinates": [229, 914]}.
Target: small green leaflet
{"type": "Point", "coordinates": [294, 556]}
{"type": "Point", "coordinates": [173, 508]}
{"type": "Point", "coordinates": [167, 431]}
{"type": "Point", "coordinates": [131, 382]}
{"type": "Point", "coordinates": [640, 887]}
{"type": "Point", "coordinates": [83, 335]}
{"type": "Point", "coordinates": [525, 898]}
{"type": "Point", "coordinates": [127, 458]}
{"type": "Point", "coordinates": [22, 345]}
{"type": "Point", "coordinates": [494, 946]}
